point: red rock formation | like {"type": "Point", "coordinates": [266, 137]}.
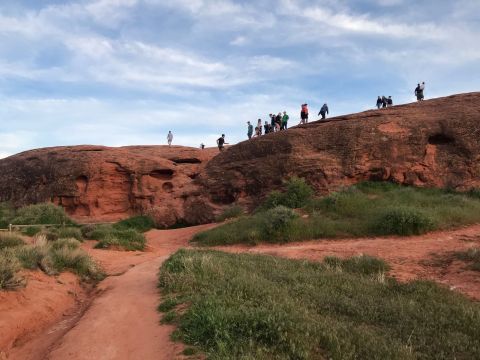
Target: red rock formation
{"type": "Point", "coordinates": [102, 183]}
{"type": "Point", "coordinates": [432, 143]}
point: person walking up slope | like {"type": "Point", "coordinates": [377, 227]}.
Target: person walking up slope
{"type": "Point", "coordinates": [221, 142]}
{"type": "Point", "coordinates": [250, 130]}
{"type": "Point", "coordinates": [304, 114]}
{"type": "Point", "coordinates": [169, 138]}
{"type": "Point", "coordinates": [323, 111]}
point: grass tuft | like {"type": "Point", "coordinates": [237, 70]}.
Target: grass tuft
{"type": "Point", "coordinates": [231, 212]}
{"type": "Point", "coordinates": [9, 268]}
{"type": "Point", "coordinates": [297, 193]}
{"type": "Point", "coordinates": [10, 240]}
{"type": "Point", "coordinates": [109, 237]}
{"type": "Point", "coordinates": [41, 214]}
{"type": "Point", "coordinates": [139, 223]}
{"type": "Point", "coordinates": [261, 307]}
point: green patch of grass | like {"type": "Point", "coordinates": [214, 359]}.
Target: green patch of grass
{"type": "Point", "coordinates": [366, 209]}
{"type": "Point", "coordinates": [189, 351]}
{"type": "Point", "coordinates": [231, 212]}
{"type": "Point", "coordinates": [69, 233]}
{"type": "Point", "coordinates": [138, 223]}
{"type": "Point", "coordinates": [471, 256]}
{"type": "Point", "coordinates": [169, 317]}
{"type": "Point", "coordinates": [31, 230]}
{"type": "Point", "coordinates": [10, 240]}
{"type": "Point", "coordinates": [262, 307]}
{"type": "Point", "coordinates": [41, 214]}
{"type": "Point", "coordinates": [9, 268]}
{"type": "Point", "coordinates": [109, 237]}
{"type": "Point", "coordinates": [167, 305]}
{"type": "Point", "coordinates": [7, 213]}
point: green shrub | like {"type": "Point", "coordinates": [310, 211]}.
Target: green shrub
{"type": "Point", "coordinates": [402, 221]}
{"type": "Point", "coordinates": [109, 237]}
{"type": "Point", "coordinates": [139, 223]}
{"type": "Point", "coordinates": [69, 232]}
{"type": "Point", "coordinates": [277, 221]}
{"type": "Point", "coordinates": [231, 212]}
{"type": "Point", "coordinates": [31, 256]}
{"type": "Point", "coordinates": [41, 214]}
{"type": "Point", "coordinates": [10, 240]}
{"type": "Point", "coordinates": [87, 230]}
{"type": "Point", "coordinates": [297, 194]}
{"type": "Point", "coordinates": [241, 306]}
{"type": "Point", "coordinates": [70, 243]}
{"type": "Point", "coordinates": [7, 213]}
{"type": "Point", "coordinates": [9, 268]}
{"type": "Point", "coordinates": [49, 234]}
{"type": "Point", "coordinates": [31, 230]}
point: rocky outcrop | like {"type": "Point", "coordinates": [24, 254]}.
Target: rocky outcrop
{"type": "Point", "coordinates": [432, 143]}
{"type": "Point", "coordinates": [102, 183]}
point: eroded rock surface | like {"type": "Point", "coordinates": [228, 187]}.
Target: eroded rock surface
{"type": "Point", "coordinates": [433, 143]}
{"type": "Point", "coordinates": [102, 183]}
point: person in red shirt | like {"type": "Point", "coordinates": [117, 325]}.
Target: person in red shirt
{"type": "Point", "coordinates": [304, 114]}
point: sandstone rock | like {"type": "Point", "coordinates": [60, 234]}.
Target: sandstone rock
{"type": "Point", "coordinates": [433, 143]}
{"type": "Point", "coordinates": [104, 184]}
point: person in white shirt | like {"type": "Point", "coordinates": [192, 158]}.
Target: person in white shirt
{"type": "Point", "coordinates": [169, 138]}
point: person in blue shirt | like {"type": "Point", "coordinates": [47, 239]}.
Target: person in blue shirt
{"type": "Point", "coordinates": [323, 111]}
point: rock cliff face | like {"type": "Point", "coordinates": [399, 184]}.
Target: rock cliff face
{"type": "Point", "coordinates": [433, 143]}
{"type": "Point", "coordinates": [103, 184]}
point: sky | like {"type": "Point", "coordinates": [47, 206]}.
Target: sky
{"type": "Point", "coordinates": [125, 72]}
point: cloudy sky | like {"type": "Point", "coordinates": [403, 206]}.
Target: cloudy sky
{"type": "Point", "coordinates": [120, 72]}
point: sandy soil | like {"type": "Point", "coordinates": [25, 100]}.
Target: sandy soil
{"type": "Point", "coordinates": [56, 319]}
{"type": "Point", "coordinates": [411, 258]}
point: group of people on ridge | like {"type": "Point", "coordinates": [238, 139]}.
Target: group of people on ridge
{"type": "Point", "coordinates": [383, 102]}
{"type": "Point", "coordinates": [277, 123]}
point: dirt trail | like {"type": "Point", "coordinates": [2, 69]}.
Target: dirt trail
{"type": "Point", "coordinates": [411, 258]}
{"type": "Point", "coordinates": [122, 322]}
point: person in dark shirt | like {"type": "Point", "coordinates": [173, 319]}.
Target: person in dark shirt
{"type": "Point", "coordinates": [221, 142]}
{"type": "Point", "coordinates": [389, 101]}
{"type": "Point", "coordinates": [379, 102]}
{"type": "Point", "coordinates": [323, 111]}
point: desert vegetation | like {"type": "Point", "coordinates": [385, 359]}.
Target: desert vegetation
{"type": "Point", "coordinates": [365, 209]}
{"type": "Point", "coordinates": [52, 257]}
{"type": "Point", "coordinates": [261, 307]}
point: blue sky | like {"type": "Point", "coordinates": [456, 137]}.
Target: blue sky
{"type": "Point", "coordinates": [124, 72]}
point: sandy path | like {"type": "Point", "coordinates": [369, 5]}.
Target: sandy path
{"type": "Point", "coordinates": [122, 322]}
{"type": "Point", "coordinates": [409, 257]}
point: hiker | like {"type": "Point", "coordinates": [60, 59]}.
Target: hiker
{"type": "Point", "coordinates": [417, 92]}
{"type": "Point", "coordinates": [304, 114]}
{"type": "Point", "coordinates": [169, 138]}
{"type": "Point", "coordinates": [260, 127]}
{"type": "Point", "coordinates": [389, 101]}
{"type": "Point", "coordinates": [323, 111]}
{"type": "Point", "coordinates": [379, 102]}
{"type": "Point", "coordinates": [250, 130]}
{"type": "Point", "coordinates": [272, 122]}
{"type": "Point", "coordinates": [422, 89]}
{"type": "Point", "coordinates": [202, 146]}
{"type": "Point", "coordinates": [266, 127]}
{"type": "Point", "coordinates": [384, 102]}
{"type": "Point", "coordinates": [278, 122]}
{"type": "Point", "coordinates": [257, 131]}
{"type": "Point", "coordinates": [221, 142]}
{"type": "Point", "coordinates": [284, 121]}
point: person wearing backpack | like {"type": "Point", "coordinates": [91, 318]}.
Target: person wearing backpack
{"type": "Point", "coordinates": [304, 114]}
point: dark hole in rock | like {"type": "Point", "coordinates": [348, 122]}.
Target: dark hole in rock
{"type": "Point", "coordinates": [187, 161]}
{"type": "Point", "coordinates": [440, 139]}
{"type": "Point", "coordinates": [168, 186]}
{"type": "Point", "coordinates": [162, 174]}
{"type": "Point", "coordinates": [82, 183]}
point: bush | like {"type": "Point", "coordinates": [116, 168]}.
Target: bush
{"type": "Point", "coordinates": [139, 223]}
{"type": "Point", "coordinates": [364, 264]}
{"type": "Point", "coordinates": [9, 240]}
{"type": "Point", "coordinates": [87, 230]}
{"type": "Point", "coordinates": [9, 268]}
{"type": "Point", "coordinates": [41, 214]}
{"type": "Point", "coordinates": [31, 256]}
{"type": "Point", "coordinates": [31, 230]}
{"type": "Point", "coordinates": [69, 232]}
{"type": "Point", "coordinates": [297, 194]}
{"type": "Point", "coordinates": [277, 221]}
{"type": "Point", "coordinates": [230, 213]}
{"type": "Point", "coordinates": [402, 221]}
{"type": "Point", "coordinates": [108, 237]}
{"type": "Point", "coordinates": [7, 213]}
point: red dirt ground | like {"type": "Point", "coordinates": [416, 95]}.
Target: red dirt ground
{"type": "Point", "coordinates": [52, 318]}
